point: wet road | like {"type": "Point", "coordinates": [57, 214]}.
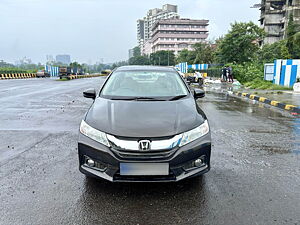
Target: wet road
{"type": "Point", "coordinates": [255, 175]}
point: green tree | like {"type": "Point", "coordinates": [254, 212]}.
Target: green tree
{"type": "Point", "coordinates": [163, 58]}
{"type": "Point", "coordinates": [270, 52]}
{"type": "Point", "coordinates": [201, 53]}
{"type": "Point", "coordinates": [186, 56]}
{"type": "Point", "coordinates": [292, 38]}
{"type": "Point", "coordinates": [139, 60]}
{"type": "Point", "coordinates": [240, 44]}
{"type": "Point", "coordinates": [118, 64]}
{"type": "Point", "coordinates": [75, 64]}
{"type": "Point", "coordinates": [297, 38]}
{"type": "Point", "coordinates": [136, 51]}
{"type": "Point", "coordinates": [204, 53]}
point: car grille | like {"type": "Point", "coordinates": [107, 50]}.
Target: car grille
{"type": "Point", "coordinates": [145, 155]}
{"type": "Point", "coordinates": [160, 148]}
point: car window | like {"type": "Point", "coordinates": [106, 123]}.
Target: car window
{"type": "Point", "coordinates": [144, 84]}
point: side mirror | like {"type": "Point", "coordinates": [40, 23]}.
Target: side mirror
{"type": "Point", "coordinates": [90, 93]}
{"type": "Point", "coordinates": [198, 93]}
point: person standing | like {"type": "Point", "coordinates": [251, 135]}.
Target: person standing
{"type": "Point", "coordinates": [224, 74]}
{"type": "Point", "coordinates": [230, 74]}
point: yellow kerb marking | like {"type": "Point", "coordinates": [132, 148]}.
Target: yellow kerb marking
{"type": "Point", "coordinates": [289, 107]}
{"type": "Point", "coordinates": [274, 103]}
{"type": "Point", "coordinates": [262, 99]}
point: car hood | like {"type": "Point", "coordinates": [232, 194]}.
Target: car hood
{"type": "Point", "coordinates": [144, 118]}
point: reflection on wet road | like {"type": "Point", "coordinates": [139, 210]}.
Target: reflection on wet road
{"type": "Point", "coordinates": [254, 177]}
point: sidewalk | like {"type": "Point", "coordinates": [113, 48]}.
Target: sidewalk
{"type": "Point", "coordinates": [288, 97]}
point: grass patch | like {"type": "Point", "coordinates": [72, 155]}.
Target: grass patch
{"type": "Point", "coordinates": [265, 85]}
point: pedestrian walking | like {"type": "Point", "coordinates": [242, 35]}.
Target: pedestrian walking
{"type": "Point", "coordinates": [230, 74]}
{"type": "Point", "coordinates": [224, 74]}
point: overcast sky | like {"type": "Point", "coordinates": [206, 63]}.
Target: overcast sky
{"type": "Point", "coordinates": [91, 30]}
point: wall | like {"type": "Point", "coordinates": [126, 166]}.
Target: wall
{"type": "Point", "coordinates": [286, 71]}
{"type": "Point", "coordinates": [52, 70]}
{"type": "Point", "coordinates": [183, 67]}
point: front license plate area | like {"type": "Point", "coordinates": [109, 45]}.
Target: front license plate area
{"type": "Point", "coordinates": [144, 169]}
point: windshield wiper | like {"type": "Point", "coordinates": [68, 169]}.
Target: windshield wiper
{"type": "Point", "coordinates": [177, 97]}
{"type": "Point", "coordinates": [148, 99]}
{"type": "Point", "coordinates": [138, 99]}
{"type": "Point", "coordinates": [125, 99]}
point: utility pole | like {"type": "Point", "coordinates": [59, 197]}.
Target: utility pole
{"type": "Point", "coordinates": [159, 60]}
{"type": "Point", "coordinates": [168, 58]}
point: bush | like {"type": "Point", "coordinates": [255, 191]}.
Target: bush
{"type": "Point", "coordinates": [248, 71]}
{"type": "Point", "coordinates": [191, 70]}
{"type": "Point", "coordinates": [264, 85]}
{"type": "Point", "coordinates": [10, 70]}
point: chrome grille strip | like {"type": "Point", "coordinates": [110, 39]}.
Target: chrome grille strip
{"type": "Point", "coordinates": [155, 145]}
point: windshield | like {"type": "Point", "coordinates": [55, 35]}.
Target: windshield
{"type": "Point", "coordinates": [144, 84]}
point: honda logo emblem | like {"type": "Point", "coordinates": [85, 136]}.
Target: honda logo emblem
{"type": "Point", "coordinates": [144, 145]}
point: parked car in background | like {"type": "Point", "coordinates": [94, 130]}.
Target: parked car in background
{"type": "Point", "coordinates": [42, 73]}
{"type": "Point", "coordinates": [105, 72]}
{"type": "Point", "coordinates": [196, 77]}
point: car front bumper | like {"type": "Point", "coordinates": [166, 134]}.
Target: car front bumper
{"type": "Point", "coordinates": [180, 161]}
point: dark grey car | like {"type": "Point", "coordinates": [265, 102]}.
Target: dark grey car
{"type": "Point", "coordinates": [144, 125]}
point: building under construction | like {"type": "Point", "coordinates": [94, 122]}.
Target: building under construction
{"type": "Point", "coordinates": [274, 18]}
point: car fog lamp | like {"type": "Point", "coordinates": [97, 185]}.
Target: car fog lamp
{"type": "Point", "coordinates": [198, 162]}
{"type": "Point", "coordinates": [90, 162]}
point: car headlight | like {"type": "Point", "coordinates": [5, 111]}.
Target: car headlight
{"type": "Point", "coordinates": [93, 133]}
{"type": "Point", "coordinates": [194, 134]}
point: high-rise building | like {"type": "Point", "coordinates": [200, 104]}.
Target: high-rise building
{"type": "Point", "coordinates": [144, 26]}
{"type": "Point", "coordinates": [176, 35]}
{"type": "Point", "coordinates": [50, 59]}
{"type": "Point", "coordinates": [141, 33]}
{"type": "Point", "coordinates": [65, 59]}
{"type": "Point", "coordinates": [130, 53]}
{"type": "Point", "coordinates": [275, 16]}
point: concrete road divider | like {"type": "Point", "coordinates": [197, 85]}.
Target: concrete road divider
{"type": "Point", "coordinates": [277, 104]}
{"type": "Point", "coordinates": [17, 76]}
{"type": "Point", "coordinates": [71, 77]}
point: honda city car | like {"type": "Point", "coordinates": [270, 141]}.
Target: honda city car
{"type": "Point", "coordinates": [144, 126]}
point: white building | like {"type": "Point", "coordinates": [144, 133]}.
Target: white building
{"type": "Point", "coordinates": [144, 26]}
{"type": "Point", "coordinates": [176, 35]}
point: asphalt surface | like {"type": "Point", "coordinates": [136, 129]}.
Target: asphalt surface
{"type": "Point", "coordinates": [255, 175]}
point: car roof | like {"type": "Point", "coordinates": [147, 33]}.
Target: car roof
{"type": "Point", "coordinates": [146, 68]}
